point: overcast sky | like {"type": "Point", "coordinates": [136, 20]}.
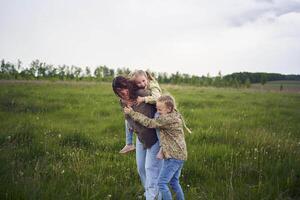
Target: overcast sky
{"type": "Point", "coordinates": [189, 36]}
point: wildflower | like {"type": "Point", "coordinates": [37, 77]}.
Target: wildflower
{"type": "Point", "coordinates": [109, 196]}
{"type": "Point", "coordinates": [188, 185]}
{"type": "Point", "coordinates": [59, 135]}
{"type": "Point", "coordinates": [63, 171]}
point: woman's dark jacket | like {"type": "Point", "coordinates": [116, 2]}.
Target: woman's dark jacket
{"type": "Point", "coordinates": [146, 135]}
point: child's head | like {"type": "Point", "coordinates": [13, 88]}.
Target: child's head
{"type": "Point", "coordinates": [165, 104]}
{"type": "Point", "coordinates": [141, 78]}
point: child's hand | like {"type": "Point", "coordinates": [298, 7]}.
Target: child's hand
{"type": "Point", "coordinates": [160, 154]}
{"type": "Point", "coordinates": [127, 110]}
{"type": "Point", "coordinates": [140, 100]}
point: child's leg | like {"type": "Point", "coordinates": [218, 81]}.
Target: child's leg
{"type": "Point", "coordinates": [129, 139]}
{"type": "Point", "coordinates": [129, 133]}
{"type": "Point", "coordinates": [169, 170]}
{"type": "Point", "coordinates": [175, 185]}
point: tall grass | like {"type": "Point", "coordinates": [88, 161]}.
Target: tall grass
{"type": "Point", "coordinates": [61, 141]}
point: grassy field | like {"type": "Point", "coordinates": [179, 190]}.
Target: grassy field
{"type": "Point", "coordinates": [280, 86]}
{"type": "Point", "coordinates": [61, 141]}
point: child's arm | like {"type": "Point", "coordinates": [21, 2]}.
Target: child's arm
{"type": "Point", "coordinates": [144, 120]}
{"type": "Point", "coordinates": [155, 94]}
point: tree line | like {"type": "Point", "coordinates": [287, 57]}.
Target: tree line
{"type": "Point", "coordinates": [38, 70]}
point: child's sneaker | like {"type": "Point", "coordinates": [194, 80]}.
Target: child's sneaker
{"type": "Point", "coordinates": [127, 148]}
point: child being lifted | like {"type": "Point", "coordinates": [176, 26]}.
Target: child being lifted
{"type": "Point", "coordinates": [143, 80]}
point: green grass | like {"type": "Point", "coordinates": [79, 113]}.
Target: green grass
{"type": "Point", "coordinates": [61, 141]}
{"type": "Point", "coordinates": [282, 86]}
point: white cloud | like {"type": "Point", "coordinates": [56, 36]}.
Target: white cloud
{"type": "Point", "coordinates": [171, 35]}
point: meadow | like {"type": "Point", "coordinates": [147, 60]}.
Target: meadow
{"type": "Point", "coordinates": [60, 140]}
{"type": "Point", "coordinates": [279, 86]}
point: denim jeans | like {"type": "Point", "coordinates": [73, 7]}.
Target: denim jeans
{"type": "Point", "coordinates": [170, 173]}
{"type": "Point", "coordinates": [129, 133]}
{"type": "Point", "coordinates": [148, 168]}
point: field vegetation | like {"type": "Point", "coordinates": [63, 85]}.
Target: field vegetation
{"type": "Point", "coordinates": [60, 140]}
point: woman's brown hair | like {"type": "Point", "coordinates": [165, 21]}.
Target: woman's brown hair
{"type": "Point", "coordinates": [120, 82]}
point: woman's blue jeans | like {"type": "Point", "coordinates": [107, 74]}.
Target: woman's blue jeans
{"type": "Point", "coordinates": [148, 168]}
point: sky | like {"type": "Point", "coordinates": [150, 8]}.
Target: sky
{"type": "Point", "coordinates": [190, 36]}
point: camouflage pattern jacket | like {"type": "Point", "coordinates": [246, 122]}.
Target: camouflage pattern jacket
{"type": "Point", "coordinates": [171, 133]}
{"type": "Point", "coordinates": [155, 92]}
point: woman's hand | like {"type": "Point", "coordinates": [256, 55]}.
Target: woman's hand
{"type": "Point", "coordinates": [140, 100]}
{"type": "Point", "coordinates": [127, 110]}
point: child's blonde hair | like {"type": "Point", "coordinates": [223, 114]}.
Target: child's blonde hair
{"type": "Point", "coordinates": [136, 73]}
{"type": "Point", "coordinates": [169, 101]}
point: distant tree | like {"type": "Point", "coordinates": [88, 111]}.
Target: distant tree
{"type": "Point", "coordinates": [8, 70]}
{"type": "Point", "coordinates": [70, 72]}
{"type": "Point", "coordinates": [34, 66]}
{"type": "Point", "coordinates": [61, 72]}
{"type": "Point", "coordinates": [87, 72]}
{"type": "Point", "coordinates": [218, 80]}
{"type": "Point", "coordinates": [41, 70]}
{"type": "Point", "coordinates": [247, 83]}
{"type": "Point", "coordinates": [106, 71]}
{"type": "Point", "coordinates": [122, 71]}
{"type": "Point", "coordinates": [112, 72]}
{"type": "Point", "coordinates": [98, 73]}
{"type": "Point", "coordinates": [236, 83]}
{"type": "Point", "coordinates": [77, 72]}
{"type": "Point", "coordinates": [19, 65]}
{"type": "Point", "coordinates": [263, 79]}
{"type": "Point", "coordinates": [50, 71]}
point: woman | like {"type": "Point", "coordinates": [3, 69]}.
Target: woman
{"type": "Point", "coordinates": [147, 145]}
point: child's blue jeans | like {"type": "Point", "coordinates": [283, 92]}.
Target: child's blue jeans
{"type": "Point", "coordinates": [170, 173]}
{"type": "Point", "coordinates": [129, 132]}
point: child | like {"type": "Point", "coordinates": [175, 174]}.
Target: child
{"type": "Point", "coordinates": [142, 80]}
{"type": "Point", "coordinates": [172, 143]}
